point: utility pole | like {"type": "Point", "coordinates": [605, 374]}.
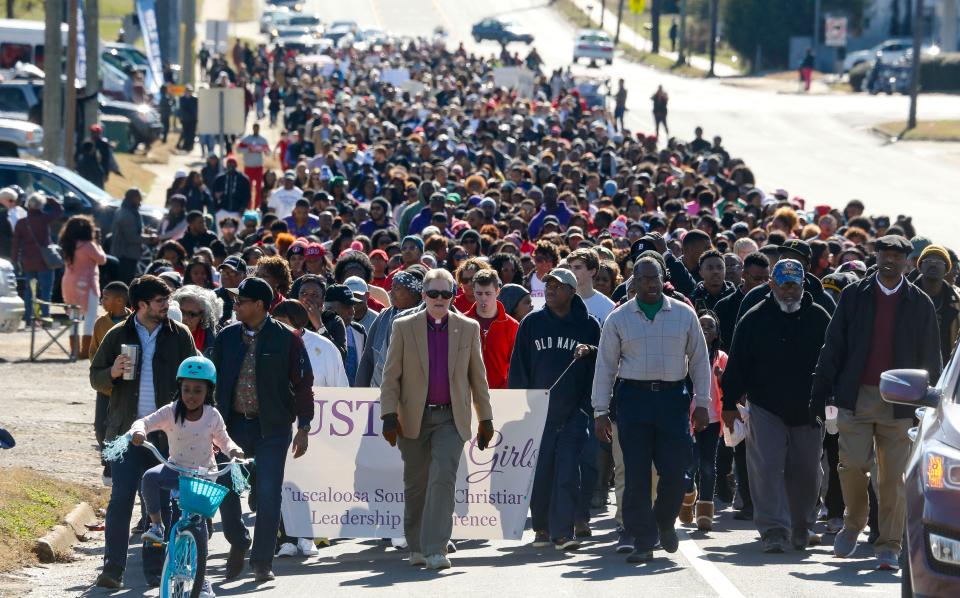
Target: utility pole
{"type": "Point", "coordinates": [714, 18]}
{"type": "Point", "coordinates": [655, 26]}
{"type": "Point", "coordinates": [187, 64]}
{"type": "Point", "coordinates": [70, 112]}
{"type": "Point", "coordinates": [91, 35]}
{"type": "Point", "coordinates": [603, 10]}
{"type": "Point", "coordinates": [915, 67]}
{"type": "Point", "coordinates": [616, 37]}
{"type": "Point", "coordinates": [682, 34]}
{"type": "Point", "coordinates": [52, 87]}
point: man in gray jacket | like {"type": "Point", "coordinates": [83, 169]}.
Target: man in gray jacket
{"type": "Point", "coordinates": [127, 237]}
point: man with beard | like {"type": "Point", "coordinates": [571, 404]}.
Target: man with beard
{"type": "Point", "coordinates": [934, 263]}
{"type": "Point", "coordinates": [784, 445]}
{"type": "Point", "coordinates": [162, 345]}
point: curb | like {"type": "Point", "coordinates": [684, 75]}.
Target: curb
{"type": "Point", "coordinates": [60, 540]}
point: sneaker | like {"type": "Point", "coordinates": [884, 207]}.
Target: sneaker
{"type": "Point", "coordinates": [399, 543]}
{"type": "Point", "coordinates": [107, 476]}
{"type": "Point", "coordinates": [437, 561]}
{"type": "Point", "coordinates": [887, 560]}
{"type": "Point", "coordinates": [451, 547]}
{"type": "Point", "coordinates": [287, 549]}
{"type": "Point", "coordinates": [845, 544]}
{"type": "Point", "coordinates": [800, 539]}
{"type": "Point", "coordinates": [582, 530]}
{"type": "Point", "coordinates": [541, 539]}
{"type": "Point", "coordinates": [624, 543]}
{"type": "Point", "coordinates": [321, 542]}
{"type": "Point", "coordinates": [206, 590]}
{"type": "Point", "coordinates": [566, 544]}
{"type": "Point", "coordinates": [263, 573]}
{"type": "Point", "coordinates": [110, 579]}
{"type": "Point", "coordinates": [772, 543]}
{"type": "Point", "coordinates": [640, 556]}
{"type": "Point", "coordinates": [153, 534]}
{"type": "Point", "coordinates": [834, 525]}
{"type": "Point", "coordinates": [306, 547]}
{"type": "Point", "coordinates": [669, 540]}
{"type": "Point", "coordinates": [813, 538]}
{"type": "Point", "coordinates": [416, 559]}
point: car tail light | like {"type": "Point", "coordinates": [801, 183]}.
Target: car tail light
{"type": "Point", "coordinates": [946, 550]}
{"type": "Point", "coordinates": [583, 47]}
{"type": "Point", "coordinates": [941, 467]}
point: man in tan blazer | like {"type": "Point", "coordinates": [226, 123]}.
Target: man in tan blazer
{"type": "Point", "coordinates": [433, 375]}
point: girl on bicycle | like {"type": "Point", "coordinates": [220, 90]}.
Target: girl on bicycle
{"type": "Point", "coordinates": [192, 426]}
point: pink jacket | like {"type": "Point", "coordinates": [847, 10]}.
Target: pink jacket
{"type": "Point", "coordinates": [82, 274]}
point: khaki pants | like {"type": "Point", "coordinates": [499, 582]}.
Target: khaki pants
{"type": "Point", "coordinates": [618, 476]}
{"type": "Point", "coordinates": [872, 424]}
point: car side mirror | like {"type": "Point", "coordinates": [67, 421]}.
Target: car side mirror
{"type": "Point", "coordinates": [908, 387]}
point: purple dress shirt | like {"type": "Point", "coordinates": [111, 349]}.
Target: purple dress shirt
{"type": "Point", "coordinates": [438, 383]}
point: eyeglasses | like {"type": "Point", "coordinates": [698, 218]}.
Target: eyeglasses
{"type": "Point", "coordinates": [433, 294]}
{"type": "Point", "coordinates": [191, 314]}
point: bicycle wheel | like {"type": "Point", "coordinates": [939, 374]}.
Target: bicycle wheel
{"type": "Point", "coordinates": [185, 565]}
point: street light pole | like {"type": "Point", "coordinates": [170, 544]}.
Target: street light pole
{"type": "Point", "coordinates": [655, 26]}
{"type": "Point", "coordinates": [714, 18]}
{"type": "Point", "coordinates": [682, 34]}
{"type": "Point", "coordinates": [91, 35]}
{"type": "Point", "coordinates": [915, 67]}
{"type": "Point", "coordinates": [52, 88]}
{"type": "Point", "coordinates": [616, 37]}
{"type": "Point", "coordinates": [70, 113]}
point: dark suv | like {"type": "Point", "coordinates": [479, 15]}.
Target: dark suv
{"type": "Point", "coordinates": [501, 32]}
{"type": "Point", "coordinates": [931, 547]}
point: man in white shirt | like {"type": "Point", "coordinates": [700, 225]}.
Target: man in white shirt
{"type": "Point", "coordinates": [283, 200]}
{"type": "Point", "coordinates": [647, 348]}
{"type": "Point", "coordinates": [584, 264]}
{"type": "Point", "coordinates": [254, 147]}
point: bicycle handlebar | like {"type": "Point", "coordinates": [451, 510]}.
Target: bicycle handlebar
{"type": "Point", "coordinates": [200, 472]}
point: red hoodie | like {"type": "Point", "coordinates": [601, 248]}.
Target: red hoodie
{"type": "Point", "coordinates": [497, 345]}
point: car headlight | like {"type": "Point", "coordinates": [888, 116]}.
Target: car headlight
{"type": "Point", "coordinates": [941, 467]}
{"type": "Point", "coordinates": [944, 549]}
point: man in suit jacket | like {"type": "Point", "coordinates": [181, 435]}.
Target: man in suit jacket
{"type": "Point", "coordinates": [425, 401]}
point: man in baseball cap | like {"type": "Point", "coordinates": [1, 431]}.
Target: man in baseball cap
{"type": "Point", "coordinates": [341, 300]}
{"type": "Point", "coordinates": [232, 271]}
{"type": "Point", "coordinates": [253, 289]}
{"type": "Point", "coordinates": [933, 265]}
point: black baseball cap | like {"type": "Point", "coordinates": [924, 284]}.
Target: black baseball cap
{"type": "Point", "coordinates": [801, 248]}
{"type": "Point", "coordinates": [341, 293]}
{"type": "Point", "coordinates": [235, 263]}
{"type": "Point", "coordinates": [254, 288]}
{"type": "Point", "coordinates": [642, 244]}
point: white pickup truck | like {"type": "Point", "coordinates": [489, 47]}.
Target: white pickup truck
{"type": "Point", "coordinates": [11, 305]}
{"type": "Point", "coordinates": [20, 139]}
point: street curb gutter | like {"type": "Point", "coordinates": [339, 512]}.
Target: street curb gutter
{"type": "Point", "coordinates": [60, 540]}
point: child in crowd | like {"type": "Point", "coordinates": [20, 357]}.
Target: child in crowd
{"type": "Point", "coordinates": [113, 299]}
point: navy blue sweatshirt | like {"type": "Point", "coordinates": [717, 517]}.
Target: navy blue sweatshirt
{"type": "Point", "coordinates": [544, 348]}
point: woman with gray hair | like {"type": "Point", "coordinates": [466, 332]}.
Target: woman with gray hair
{"type": "Point", "coordinates": [201, 310]}
{"type": "Point", "coordinates": [30, 238]}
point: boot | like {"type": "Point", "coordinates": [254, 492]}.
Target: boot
{"type": "Point", "coordinates": [85, 347]}
{"type": "Point", "coordinates": [705, 515]}
{"type": "Point", "coordinates": [686, 509]}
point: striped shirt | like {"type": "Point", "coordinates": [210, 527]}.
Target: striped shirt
{"type": "Point", "coordinates": [663, 349]}
{"type": "Point", "coordinates": [147, 402]}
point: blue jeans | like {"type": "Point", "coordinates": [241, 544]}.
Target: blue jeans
{"type": "Point", "coordinates": [156, 485]}
{"type": "Point", "coordinates": [556, 482]}
{"type": "Point", "coordinates": [126, 476]}
{"type": "Point", "coordinates": [271, 457]}
{"type": "Point", "coordinates": [705, 462]}
{"type": "Point", "coordinates": [44, 280]}
{"type": "Point", "coordinates": [654, 429]}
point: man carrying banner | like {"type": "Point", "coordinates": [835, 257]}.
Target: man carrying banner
{"type": "Point", "coordinates": [647, 347]}
{"type": "Point", "coordinates": [425, 402]}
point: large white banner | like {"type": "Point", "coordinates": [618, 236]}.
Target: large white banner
{"type": "Point", "coordinates": [350, 482]}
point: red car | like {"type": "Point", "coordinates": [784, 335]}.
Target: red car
{"type": "Point", "coordinates": [931, 549]}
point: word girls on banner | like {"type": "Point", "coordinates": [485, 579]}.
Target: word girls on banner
{"type": "Point", "coordinates": [350, 482]}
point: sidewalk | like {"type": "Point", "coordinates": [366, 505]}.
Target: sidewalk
{"type": "Point", "coordinates": [157, 194]}
{"type": "Point", "coordinates": [631, 38]}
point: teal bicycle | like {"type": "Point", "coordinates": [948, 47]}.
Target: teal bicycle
{"type": "Point", "coordinates": [185, 563]}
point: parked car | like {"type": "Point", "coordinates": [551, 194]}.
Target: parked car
{"type": "Point", "coordinates": [891, 51]}
{"type": "Point", "coordinates": [145, 125]}
{"type": "Point", "coordinates": [593, 44]}
{"type": "Point", "coordinates": [502, 32]}
{"type": "Point", "coordinates": [77, 194]}
{"type": "Point", "coordinates": [20, 138]}
{"type": "Point", "coordinates": [273, 16]}
{"type": "Point", "coordinates": [930, 562]}
{"type": "Point", "coordinates": [11, 305]}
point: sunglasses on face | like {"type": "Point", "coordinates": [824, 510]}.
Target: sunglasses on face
{"type": "Point", "coordinates": [433, 294]}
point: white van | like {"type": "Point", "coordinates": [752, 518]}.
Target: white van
{"type": "Point", "coordinates": [22, 41]}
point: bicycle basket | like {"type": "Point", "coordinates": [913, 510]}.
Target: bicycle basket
{"type": "Point", "coordinates": [201, 496]}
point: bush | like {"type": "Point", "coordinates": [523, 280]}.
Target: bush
{"type": "Point", "coordinates": [940, 73]}
{"type": "Point", "coordinates": [858, 74]}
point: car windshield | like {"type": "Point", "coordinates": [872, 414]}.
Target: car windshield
{"type": "Point", "coordinates": [82, 184]}
{"type": "Point", "coordinates": [594, 38]}
{"type": "Point", "coordinates": [306, 20]}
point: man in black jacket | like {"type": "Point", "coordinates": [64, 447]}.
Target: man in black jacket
{"type": "Point", "coordinates": [713, 285]}
{"type": "Point", "coordinates": [793, 249]}
{"type": "Point", "coordinates": [264, 383]}
{"type": "Point", "coordinates": [881, 323]}
{"type": "Point", "coordinates": [774, 352]}
{"type": "Point", "coordinates": [231, 191]}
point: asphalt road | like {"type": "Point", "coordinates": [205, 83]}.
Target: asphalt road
{"type": "Point", "coordinates": [819, 147]}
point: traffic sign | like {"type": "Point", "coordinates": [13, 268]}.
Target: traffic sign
{"type": "Point", "coordinates": [835, 32]}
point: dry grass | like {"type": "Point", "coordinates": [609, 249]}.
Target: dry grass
{"type": "Point", "coordinates": [134, 175]}
{"type": "Point", "coordinates": [30, 504]}
{"type": "Point", "coordinates": [926, 130]}
{"type": "Point", "coordinates": [241, 10]}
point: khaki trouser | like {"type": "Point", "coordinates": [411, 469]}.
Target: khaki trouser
{"type": "Point", "coordinates": [618, 476]}
{"type": "Point", "coordinates": [872, 424]}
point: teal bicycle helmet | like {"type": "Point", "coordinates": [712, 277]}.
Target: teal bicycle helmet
{"type": "Point", "coordinates": [197, 368]}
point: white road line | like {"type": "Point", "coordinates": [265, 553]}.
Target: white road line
{"type": "Point", "coordinates": [706, 568]}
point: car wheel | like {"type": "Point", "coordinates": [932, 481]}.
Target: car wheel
{"type": "Point", "coordinates": [9, 150]}
{"type": "Point", "coordinates": [609, 61]}
{"type": "Point", "coordinates": [133, 140]}
{"type": "Point", "coordinates": [476, 39]}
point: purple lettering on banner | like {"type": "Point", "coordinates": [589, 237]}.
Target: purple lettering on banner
{"type": "Point", "coordinates": [341, 416]}
{"type": "Point", "coordinates": [369, 431]}
{"type": "Point", "coordinates": [345, 412]}
{"type": "Point", "coordinates": [501, 458]}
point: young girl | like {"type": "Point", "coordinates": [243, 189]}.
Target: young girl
{"type": "Point", "coordinates": [192, 426]}
{"type": "Point", "coordinates": [705, 459]}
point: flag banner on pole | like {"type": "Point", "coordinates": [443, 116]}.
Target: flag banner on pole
{"type": "Point", "coordinates": [349, 484]}
{"type": "Point", "coordinates": [147, 12]}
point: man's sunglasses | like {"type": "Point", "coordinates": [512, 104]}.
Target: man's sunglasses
{"type": "Point", "coordinates": [433, 294]}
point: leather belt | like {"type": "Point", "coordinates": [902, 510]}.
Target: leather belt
{"type": "Point", "coordinates": [654, 385]}
{"type": "Point", "coordinates": [444, 406]}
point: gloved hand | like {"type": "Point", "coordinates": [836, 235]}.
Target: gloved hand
{"type": "Point", "coordinates": [391, 428]}
{"type": "Point", "coordinates": [484, 434]}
